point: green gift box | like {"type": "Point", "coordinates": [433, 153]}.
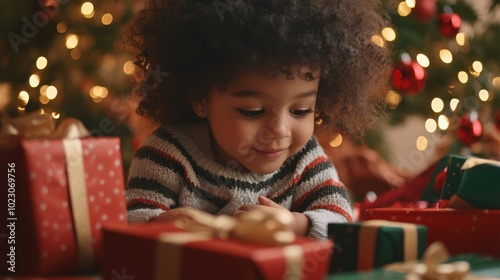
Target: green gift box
{"type": "Point", "coordinates": [370, 244]}
{"type": "Point", "coordinates": [480, 183]}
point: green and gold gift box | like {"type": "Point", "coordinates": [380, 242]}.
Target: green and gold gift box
{"type": "Point", "coordinates": [370, 244]}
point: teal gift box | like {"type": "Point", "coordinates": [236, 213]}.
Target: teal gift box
{"type": "Point", "coordinates": [370, 244]}
{"type": "Point", "coordinates": [453, 177]}
{"type": "Point", "coordinates": [480, 184]}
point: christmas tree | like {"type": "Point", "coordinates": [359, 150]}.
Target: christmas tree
{"type": "Point", "coordinates": [61, 56]}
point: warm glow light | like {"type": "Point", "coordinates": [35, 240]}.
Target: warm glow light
{"type": "Point", "coordinates": [460, 38]}
{"type": "Point", "coordinates": [477, 66]}
{"type": "Point", "coordinates": [484, 95]}
{"type": "Point", "coordinates": [445, 56]}
{"type": "Point", "coordinates": [98, 92]}
{"type": "Point", "coordinates": [24, 97]}
{"type": "Point", "coordinates": [34, 80]}
{"type": "Point", "coordinates": [443, 122]}
{"type": "Point", "coordinates": [377, 40]}
{"type": "Point", "coordinates": [393, 99]}
{"type": "Point", "coordinates": [389, 34]}
{"type": "Point", "coordinates": [430, 125]}
{"type": "Point", "coordinates": [496, 82]}
{"type": "Point", "coordinates": [72, 41]}
{"type": "Point", "coordinates": [43, 99]}
{"type": "Point", "coordinates": [87, 9]}
{"type": "Point", "coordinates": [337, 141]}
{"type": "Point", "coordinates": [454, 103]}
{"type": "Point", "coordinates": [421, 143]}
{"type": "Point", "coordinates": [41, 62]}
{"type": "Point", "coordinates": [423, 60]}
{"type": "Point", "coordinates": [75, 53]}
{"type": "Point", "coordinates": [463, 77]}
{"type": "Point", "coordinates": [51, 92]}
{"type": "Point", "coordinates": [403, 9]}
{"type": "Point", "coordinates": [410, 3]}
{"type": "Point", "coordinates": [437, 105]}
{"type": "Point", "coordinates": [56, 115]}
{"type": "Point", "coordinates": [129, 67]}
{"type": "Point", "coordinates": [107, 19]}
{"type": "Point", "coordinates": [61, 27]}
{"type": "Point", "coordinates": [43, 90]}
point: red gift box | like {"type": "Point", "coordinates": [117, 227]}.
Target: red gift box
{"type": "Point", "coordinates": [162, 251]}
{"type": "Point", "coordinates": [60, 194]}
{"type": "Point", "coordinates": [463, 231]}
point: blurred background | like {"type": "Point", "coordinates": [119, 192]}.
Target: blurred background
{"type": "Point", "coordinates": [63, 57]}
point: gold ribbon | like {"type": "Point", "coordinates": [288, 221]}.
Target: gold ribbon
{"type": "Point", "coordinates": [36, 125]}
{"type": "Point", "coordinates": [471, 162]}
{"type": "Point", "coordinates": [432, 267]}
{"type": "Point", "coordinates": [269, 226]}
{"type": "Point", "coordinates": [367, 241]}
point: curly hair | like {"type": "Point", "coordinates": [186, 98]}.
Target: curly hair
{"type": "Point", "coordinates": [201, 43]}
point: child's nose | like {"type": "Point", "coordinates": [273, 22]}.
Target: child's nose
{"type": "Point", "coordinates": [280, 126]}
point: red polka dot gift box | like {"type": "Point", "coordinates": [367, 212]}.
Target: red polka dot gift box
{"type": "Point", "coordinates": [60, 193]}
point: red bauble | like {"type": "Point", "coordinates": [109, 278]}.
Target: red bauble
{"type": "Point", "coordinates": [469, 131]}
{"type": "Point", "coordinates": [449, 24]}
{"type": "Point", "coordinates": [424, 10]}
{"type": "Point", "coordinates": [408, 77]}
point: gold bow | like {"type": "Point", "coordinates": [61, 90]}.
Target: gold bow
{"type": "Point", "coordinates": [433, 268]}
{"type": "Point", "coordinates": [269, 226]}
{"type": "Point", "coordinates": [36, 125]}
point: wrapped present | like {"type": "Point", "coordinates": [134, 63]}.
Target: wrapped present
{"type": "Point", "coordinates": [165, 251]}
{"type": "Point", "coordinates": [479, 186]}
{"type": "Point", "coordinates": [60, 192]}
{"type": "Point", "coordinates": [463, 231]}
{"type": "Point", "coordinates": [435, 265]}
{"type": "Point", "coordinates": [370, 244]}
{"type": "Point", "coordinates": [453, 176]}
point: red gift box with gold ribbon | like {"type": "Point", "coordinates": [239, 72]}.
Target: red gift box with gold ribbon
{"type": "Point", "coordinates": [60, 192]}
{"type": "Point", "coordinates": [163, 251]}
{"type": "Point", "coordinates": [462, 231]}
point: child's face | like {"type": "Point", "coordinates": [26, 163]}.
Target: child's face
{"type": "Point", "coordinates": [260, 121]}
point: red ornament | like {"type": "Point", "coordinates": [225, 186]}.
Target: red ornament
{"type": "Point", "coordinates": [470, 130]}
{"type": "Point", "coordinates": [424, 10]}
{"type": "Point", "coordinates": [449, 24]}
{"type": "Point", "coordinates": [408, 77]}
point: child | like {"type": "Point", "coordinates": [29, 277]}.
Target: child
{"type": "Point", "coordinates": [242, 86]}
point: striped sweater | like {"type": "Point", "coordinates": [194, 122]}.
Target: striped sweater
{"type": "Point", "coordinates": [174, 167]}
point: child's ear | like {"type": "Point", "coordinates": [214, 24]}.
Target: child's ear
{"type": "Point", "coordinates": [199, 107]}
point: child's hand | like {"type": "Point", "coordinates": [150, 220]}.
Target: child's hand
{"type": "Point", "coordinates": [300, 225]}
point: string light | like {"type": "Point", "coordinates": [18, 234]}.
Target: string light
{"type": "Point", "coordinates": [43, 99]}
{"type": "Point", "coordinates": [430, 125]}
{"type": "Point", "coordinates": [443, 122]}
{"type": "Point", "coordinates": [337, 141]}
{"type": "Point", "coordinates": [389, 34]}
{"type": "Point", "coordinates": [129, 68]}
{"type": "Point", "coordinates": [437, 105]}
{"type": "Point", "coordinates": [51, 92]}
{"type": "Point", "coordinates": [34, 80]}
{"type": "Point", "coordinates": [377, 40]}
{"type": "Point", "coordinates": [454, 103]}
{"type": "Point", "coordinates": [484, 95]}
{"type": "Point", "coordinates": [56, 115]}
{"type": "Point", "coordinates": [107, 19]}
{"type": "Point", "coordinates": [463, 77]}
{"type": "Point", "coordinates": [445, 56]}
{"type": "Point", "coordinates": [460, 38]}
{"type": "Point", "coordinates": [87, 9]}
{"type": "Point", "coordinates": [477, 66]}
{"type": "Point", "coordinates": [410, 3]}
{"type": "Point", "coordinates": [423, 60]}
{"type": "Point", "coordinates": [61, 27]}
{"type": "Point", "coordinates": [403, 9]}
{"type": "Point", "coordinates": [43, 90]}
{"type": "Point", "coordinates": [72, 41]}
{"type": "Point", "coordinates": [24, 98]}
{"type": "Point", "coordinates": [75, 53]}
{"type": "Point", "coordinates": [421, 143]}
{"type": "Point", "coordinates": [98, 93]}
{"type": "Point", "coordinates": [496, 82]}
{"type": "Point", "coordinates": [41, 63]}
{"type": "Point", "coordinates": [393, 99]}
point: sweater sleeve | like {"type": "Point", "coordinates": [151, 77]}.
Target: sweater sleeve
{"type": "Point", "coordinates": [319, 194]}
{"type": "Point", "coordinates": [154, 181]}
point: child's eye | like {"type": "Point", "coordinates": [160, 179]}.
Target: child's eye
{"type": "Point", "coordinates": [251, 114]}
{"type": "Point", "coordinates": [301, 113]}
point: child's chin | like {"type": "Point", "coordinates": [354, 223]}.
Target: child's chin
{"type": "Point", "coordinates": [263, 169]}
